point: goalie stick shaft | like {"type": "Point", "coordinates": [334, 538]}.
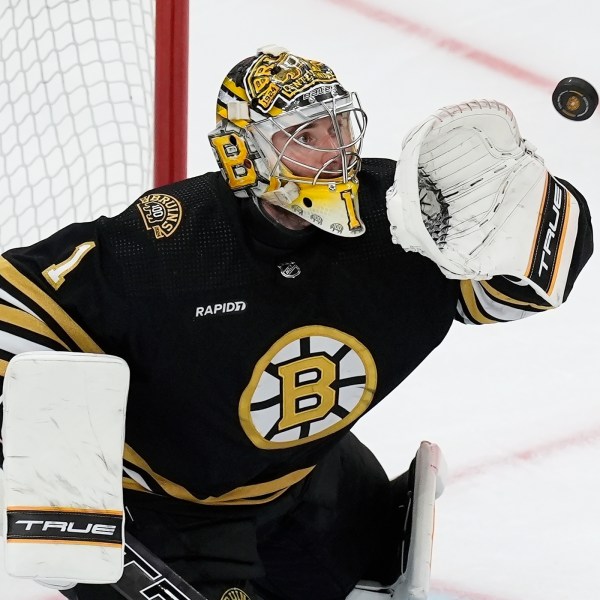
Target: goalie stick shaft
{"type": "Point", "coordinates": [147, 577]}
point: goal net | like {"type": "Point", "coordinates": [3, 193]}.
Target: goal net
{"type": "Point", "coordinates": [77, 111]}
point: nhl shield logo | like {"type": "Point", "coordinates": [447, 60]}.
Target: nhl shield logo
{"type": "Point", "coordinates": [290, 270]}
{"type": "Point", "coordinates": [312, 382]}
{"type": "Point", "coordinates": [161, 214]}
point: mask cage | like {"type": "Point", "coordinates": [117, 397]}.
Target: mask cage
{"type": "Point", "coordinates": [349, 122]}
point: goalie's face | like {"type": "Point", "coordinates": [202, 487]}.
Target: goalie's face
{"type": "Point", "coordinates": [313, 155]}
{"type": "Point", "coordinates": [321, 149]}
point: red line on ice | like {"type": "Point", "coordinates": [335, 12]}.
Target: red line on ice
{"type": "Point", "coordinates": [448, 43]}
{"type": "Point", "coordinates": [534, 453]}
{"type": "Point", "coordinates": [462, 594]}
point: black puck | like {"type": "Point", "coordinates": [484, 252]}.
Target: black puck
{"type": "Point", "coordinates": [575, 98]}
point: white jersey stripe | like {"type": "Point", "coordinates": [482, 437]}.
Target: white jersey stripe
{"type": "Point", "coordinates": [15, 344]}
{"type": "Point", "coordinates": [464, 318]}
{"type": "Point", "coordinates": [4, 295]}
{"type": "Point", "coordinates": [137, 478]}
{"type": "Point", "coordinates": [497, 310]}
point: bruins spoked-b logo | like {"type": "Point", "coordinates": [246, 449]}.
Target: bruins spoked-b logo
{"type": "Point", "coordinates": [161, 214]}
{"type": "Point", "coordinates": [312, 382]}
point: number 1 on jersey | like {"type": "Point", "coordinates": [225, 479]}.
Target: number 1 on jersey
{"type": "Point", "coordinates": [55, 274]}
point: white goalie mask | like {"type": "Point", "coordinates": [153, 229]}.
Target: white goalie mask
{"type": "Point", "coordinates": [288, 133]}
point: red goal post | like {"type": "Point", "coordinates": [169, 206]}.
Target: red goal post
{"type": "Point", "coordinates": [93, 108]}
{"type": "Point", "coordinates": [171, 91]}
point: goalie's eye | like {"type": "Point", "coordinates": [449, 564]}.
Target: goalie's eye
{"type": "Point", "coordinates": [305, 138]}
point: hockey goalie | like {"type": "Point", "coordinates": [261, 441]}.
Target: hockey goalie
{"type": "Point", "coordinates": [200, 359]}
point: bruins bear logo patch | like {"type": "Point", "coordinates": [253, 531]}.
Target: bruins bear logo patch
{"type": "Point", "coordinates": [161, 214]}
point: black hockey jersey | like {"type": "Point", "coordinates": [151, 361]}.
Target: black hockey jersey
{"type": "Point", "coordinates": [247, 363]}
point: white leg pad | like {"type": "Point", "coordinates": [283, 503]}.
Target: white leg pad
{"type": "Point", "coordinates": [63, 436]}
{"type": "Point", "coordinates": [413, 584]}
{"type": "Point", "coordinates": [430, 473]}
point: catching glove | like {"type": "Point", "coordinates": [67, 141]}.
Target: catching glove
{"type": "Point", "coordinates": [472, 195]}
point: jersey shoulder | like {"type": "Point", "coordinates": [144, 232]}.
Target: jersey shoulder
{"type": "Point", "coordinates": [375, 178]}
{"type": "Point", "coordinates": [379, 167]}
{"type": "Point", "coordinates": [182, 236]}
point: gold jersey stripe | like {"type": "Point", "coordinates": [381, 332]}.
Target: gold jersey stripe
{"type": "Point", "coordinates": [468, 293]}
{"type": "Point", "coordinates": [70, 542]}
{"type": "Point", "coordinates": [67, 509]}
{"type": "Point", "coordinates": [34, 293]}
{"type": "Point", "coordinates": [132, 484]}
{"type": "Point", "coordinates": [259, 493]}
{"type": "Point", "coordinates": [500, 296]}
{"type": "Point", "coordinates": [3, 367]}
{"type": "Point", "coordinates": [16, 316]}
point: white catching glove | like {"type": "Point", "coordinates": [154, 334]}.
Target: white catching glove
{"type": "Point", "coordinates": [473, 196]}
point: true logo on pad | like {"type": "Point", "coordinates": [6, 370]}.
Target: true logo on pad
{"type": "Point", "coordinates": [64, 525]}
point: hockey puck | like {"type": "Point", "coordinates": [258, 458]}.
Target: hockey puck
{"type": "Point", "coordinates": [575, 98]}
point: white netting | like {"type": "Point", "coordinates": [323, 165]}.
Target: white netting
{"type": "Point", "coordinates": [76, 124]}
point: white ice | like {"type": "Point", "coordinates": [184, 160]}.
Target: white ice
{"type": "Point", "coordinates": [514, 407]}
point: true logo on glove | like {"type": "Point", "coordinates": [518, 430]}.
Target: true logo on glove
{"type": "Point", "coordinates": [546, 252]}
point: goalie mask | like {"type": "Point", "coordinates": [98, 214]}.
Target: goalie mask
{"type": "Point", "coordinates": [288, 133]}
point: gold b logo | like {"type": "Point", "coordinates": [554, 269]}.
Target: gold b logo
{"type": "Point", "coordinates": [312, 382]}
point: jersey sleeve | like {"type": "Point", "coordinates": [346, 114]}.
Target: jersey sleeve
{"type": "Point", "coordinates": [22, 330]}
{"type": "Point", "coordinates": [58, 294]}
{"type": "Point", "coordinates": [502, 299]}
